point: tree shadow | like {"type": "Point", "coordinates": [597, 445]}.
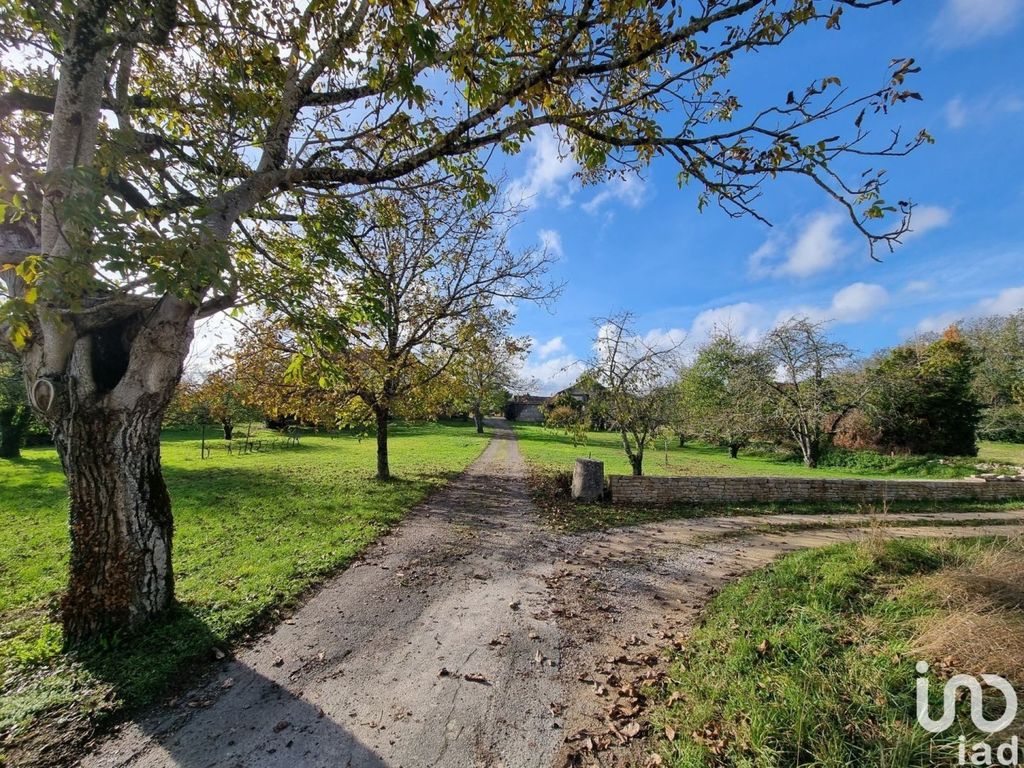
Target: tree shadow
{"type": "Point", "coordinates": [235, 717]}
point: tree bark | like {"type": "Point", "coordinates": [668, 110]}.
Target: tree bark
{"type": "Point", "coordinates": [478, 419]}
{"type": "Point", "coordinates": [811, 451]}
{"type": "Point", "coordinates": [121, 524]}
{"type": "Point", "coordinates": [383, 467]}
{"type": "Point", "coordinates": [637, 462]}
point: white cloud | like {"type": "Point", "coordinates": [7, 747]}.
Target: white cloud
{"type": "Point", "coordinates": [852, 304]}
{"type": "Point", "coordinates": [925, 218]}
{"type": "Point", "coordinates": [629, 190]}
{"type": "Point", "coordinates": [985, 108]}
{"type": "Point", "coordinates": [956, 113]}
{"type": "Point", "coordinates": [918, 286]}
{"type": "Point", "coordinates": [665, 339]}
{"type": "Point", "coordinates": [548, 173]}
{"type": "Point", "coordinates": [816, 248]}
{"type": "Point", "coordinates": [1005, 302]}
{"type": "Point", "coordinates": [964, 22]}
{"type": "Point", "coordinates": [551, 241]}
{"type": "Point", "coordinates": [552, 347]}
{"type": "Point", "coordinates": [549, 376]}
{"type": "Point", "coordinates": [745, 321]}
{"type": "Point", "coordinates": [937, 323]}
{"type": "Point", "coordinates": [857, 302]}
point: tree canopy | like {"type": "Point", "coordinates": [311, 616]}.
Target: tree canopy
{"type": "Point", "coordinates": [151, 149]}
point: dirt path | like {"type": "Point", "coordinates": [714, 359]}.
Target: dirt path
{"type": "Point", "coordinates": [470, 637]}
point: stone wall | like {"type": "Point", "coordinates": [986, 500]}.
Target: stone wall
{"type": "Point", "coordinates": [660, 491]}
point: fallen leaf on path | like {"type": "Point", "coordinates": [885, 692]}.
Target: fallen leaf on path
{"type": "Point", "coordinates": [281, 726]}
{"type": "Point", "coordinates": [472, 677]}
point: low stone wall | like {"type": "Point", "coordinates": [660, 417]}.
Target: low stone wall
{"type": "Point", "coordinates": [660, 491]}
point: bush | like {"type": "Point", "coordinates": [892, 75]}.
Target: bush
{"type": "Point", "coordinates": [561, 416]}
{"type": "Point", "coordinates": [922, 398]}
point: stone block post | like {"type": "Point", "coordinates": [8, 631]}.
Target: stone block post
{"type": "Point", "coordinates": [588, 480]}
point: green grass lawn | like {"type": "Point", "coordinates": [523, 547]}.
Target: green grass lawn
{"type": "Point", "coordinates": [811, 662]}
{"type": "Point", "coordinates": [552, 449]}
{"type": "Point", "coordinates": [252, 533]}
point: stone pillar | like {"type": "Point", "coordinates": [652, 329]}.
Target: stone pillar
{"type": "Point", "coordinates": [588, 480]}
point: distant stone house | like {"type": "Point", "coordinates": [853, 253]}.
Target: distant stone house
{"type": "Point", "coordinates": [525, 408]}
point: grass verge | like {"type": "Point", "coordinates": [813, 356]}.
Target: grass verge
{"type": "Point", "coordinates": [252, 534]}
{"type": "Point", "coordinates": [552, 449]}
{"type": "Point", "coordinates": [811, 661]}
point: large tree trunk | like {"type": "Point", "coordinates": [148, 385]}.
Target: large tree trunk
{"type": "Point", "coordinates": [478, 419]}
{"type": "Point", "coordinates": [121, 525]}
{"type": "Point", "coordinates": [383, 468]}
{"type": "Point", "coordinates": [229, 428]}
{"type": "Point", "coordinates": [104, 408]}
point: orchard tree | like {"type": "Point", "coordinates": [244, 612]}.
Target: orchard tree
{"type": "Point", "coordinates": [218, 397]}
{"type": "Point", "coordinates": [415, 278]}
{"type": "Point", "coordinates": [15, 413]}
{"type": "Point", "coordinates": [266, 357]}
{"type": "Point", "coordinates": [487, 364]}
{"type": "Point", "coordinates": [720, 393]}
{"type": "Point", "coordinates": [145, 144]}
{"type": "Point", "coordinates": [639, 398]}
{"type": "Point", "coordinates": [998, 346]}
{"type": "Point", "coordinates": [808, 387]}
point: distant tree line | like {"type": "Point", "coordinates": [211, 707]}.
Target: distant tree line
{"type": "Point", "coordinates": [797, 387]}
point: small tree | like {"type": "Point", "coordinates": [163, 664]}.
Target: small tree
{"type": "Point", "coordinates": [218, 397]}
{"type": "Point", "coordinates": [720, 393]}
{"type": "Point", "coordinates": [486, 365]}
{"type": "Point", "coordinates": [805, 384]}
{"type": "Point", "coordinates": [638, 398]}
{"type": "Point", "coordinates": [409, 273]}
{"type": "Point", "coordinates": [923, 397]}
{"type": "Point", "coordinates": [15, 413]}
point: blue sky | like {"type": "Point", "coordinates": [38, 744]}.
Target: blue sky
{"type": "Point", "coordinates": [641, 245]}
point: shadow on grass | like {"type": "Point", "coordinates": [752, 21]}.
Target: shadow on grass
{"type": "Point", "coordinates": [142, 665]}
{"type": "Point", "coordinates": [172, 655]}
